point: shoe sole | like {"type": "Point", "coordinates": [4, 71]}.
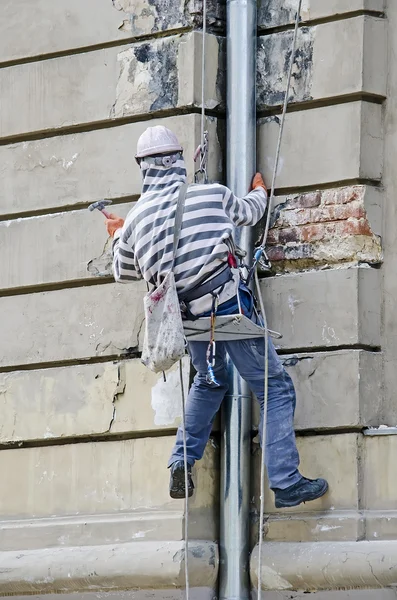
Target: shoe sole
{"type": "Point", "coordinates": [309, 498]}
{"type": "Point", "coordinates": [177, 487]}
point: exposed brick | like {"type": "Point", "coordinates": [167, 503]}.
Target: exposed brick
{"type": "Point", "coordinates": [325, 227]}
{"type": "Point", "coordinates": [337, 212]}
{"type": "Point", "coordinates": [272, 237]}
{"type": "Point", "coordinates": [343, 195]}
{"type": "Point", "coordinates": [309, 200]}
{"type": "Point", "coordinates": [292, 234]}
{"type": "Point", "coordinates": [276, 253]}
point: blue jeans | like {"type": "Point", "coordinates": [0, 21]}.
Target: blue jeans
{"type": "Point", "coordinates": [204, 400]}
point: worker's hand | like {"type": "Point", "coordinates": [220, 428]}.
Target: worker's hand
{"type": "Point", "coordinates": [258, 182]}
{"type": "Point", "coordinates": [113, 224]}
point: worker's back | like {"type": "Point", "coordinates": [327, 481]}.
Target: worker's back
{"type": "Point", "coordinates": [144, 247]}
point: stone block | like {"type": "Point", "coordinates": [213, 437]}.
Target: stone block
{"type": "Point", "coordinates": [358, 594]}
{"type": "Point", "coordinates": [276, 13]}
{"type": "Point", "coordinates": [54, 27]}
{"type": "Point", "coordinates": [79, 88]}
{"type": "Point", "coordinates": [332, 526]}
{"type": "Point", "coordinates": [319, 455]}
{"type": "Point", "coordinates": [72, 324]}
{"type": "Point", "coordinates": [86, 400]}
{"type": "Point", "coordinates": [380, 485]}
{"type": "Point", "coordinates": [147, 568]}
{"type": "Point", "coordinates": [337, 389]}
{"type": "Point", "coordinates": [162, 74]}
{"type": "Point", "coordinates": [324, 566]}
{"type": "Point", "coordinates": [317, 74]}
{"type": "Point", "coordinates": [81, 168]}
{"type": "Point", "coordinates": [320, 309]}
{"type": "Point", "coordinates": [109, 83]}
{"type": "Point", "coordinates": [108, 478]}
{"type": "Point", "coordinates": [51, 27]}
{"type": "Point", "coordinates": [324, 145]}
{"type": "Point", "coordinates": [141, 18]}
{"type": "Point", "coordinates": [64, 247]}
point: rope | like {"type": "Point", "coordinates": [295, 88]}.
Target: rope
{"type": "Point", "coordinates": [201, 175]}
{"type": "Point", "coordinates": [186, 482]}
{"type": "Point", "coordinates": [282, 122]}
{"type": "Point", "coordinates": [203, 71]}
{"type": "Point", "coordinates": [266, 335]}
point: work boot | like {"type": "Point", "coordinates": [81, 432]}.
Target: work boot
{"type": "Point", "coordinates": [302, 491]}
{"type": "Point", "coordinates": [177, 480]}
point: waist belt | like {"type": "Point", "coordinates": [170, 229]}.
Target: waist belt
{"type": "Point", "coordinates": [207, 287]}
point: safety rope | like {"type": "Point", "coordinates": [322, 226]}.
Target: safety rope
{"type": "Point", "coordinates": [202, 152]}
{"type": "Point", "coordinates": [258, 255]}
{"type": "Point", "coordinates": [186, 536]}
{"type": "Point", "coordinates": [201, 175]}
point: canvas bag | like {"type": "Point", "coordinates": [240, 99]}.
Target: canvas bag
{"type": "Point", "coordinates": [164, 343]}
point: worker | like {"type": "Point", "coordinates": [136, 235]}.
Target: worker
{"type": "Point", "coordinates": [142, 248]}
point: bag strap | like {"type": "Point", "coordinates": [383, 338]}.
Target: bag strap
{"type": "Point", "coordinates": [178, 219]}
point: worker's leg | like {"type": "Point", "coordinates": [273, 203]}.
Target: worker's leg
{"type": "Point", "coordinates": [282, 458]}
{"type": "Point", "coordinates": [202, 404]}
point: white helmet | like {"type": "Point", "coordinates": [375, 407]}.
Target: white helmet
{"type": "Point", "coordinates": [157, 140]}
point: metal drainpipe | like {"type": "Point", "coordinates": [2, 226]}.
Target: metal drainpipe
{"type": "Point", "coordinates": [236, 418]}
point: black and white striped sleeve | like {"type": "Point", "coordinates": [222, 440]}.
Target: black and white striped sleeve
{"type": "Point", "coordinates": [247, 210]}
{"type": "Point", "coordinates": [125, 266]}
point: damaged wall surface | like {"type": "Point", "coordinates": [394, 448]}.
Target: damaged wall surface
{"type": "Point", "coordinates": [86, 430]}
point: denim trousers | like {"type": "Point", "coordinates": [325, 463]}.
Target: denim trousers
{"type": "Point", "coordinates": [204, 400]}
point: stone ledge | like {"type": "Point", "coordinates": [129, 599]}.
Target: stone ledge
{"type": "Point", "coordinates": [326, 565]}
{"type": "Point", "coordinates": [143, 565]}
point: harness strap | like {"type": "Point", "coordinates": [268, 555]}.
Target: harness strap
{"type": "Point", "coordinates": [207, 287]}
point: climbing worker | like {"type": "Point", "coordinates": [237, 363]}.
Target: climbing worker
{"type": "Point", "coordinates": [143, 247]}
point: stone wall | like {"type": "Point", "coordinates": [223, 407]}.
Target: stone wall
{"type": "Point", "coordinates": [332, 239]}
{"type": "Point", "coordinates": [85, 430]}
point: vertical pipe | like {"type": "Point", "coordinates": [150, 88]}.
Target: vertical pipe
{"type": "Point", "coordinates": [236, 441]}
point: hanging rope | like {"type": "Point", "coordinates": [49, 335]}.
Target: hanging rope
{"type": "Point", "coordinates": [259, 254]}
{"type": "Point", "coordinates": [201, 175]}
{"type": "Point", "coordinates": [186, 482]}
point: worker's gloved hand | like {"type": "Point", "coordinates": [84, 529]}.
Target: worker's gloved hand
{"type": "Point", "coordinates": [113, 224]}
{"type": "Point", "coordinates": [258, 182]}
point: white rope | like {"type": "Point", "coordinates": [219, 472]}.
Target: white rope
{"type": "Point", "coordinates": [186, 536]}
{"type": "Point", "coordinates": [266, 336]}
{"type": "Point", "coordinates": [282, 122]}
{"type": "Point", "coordinates": [203, 50]}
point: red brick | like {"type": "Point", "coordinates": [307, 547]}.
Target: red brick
{"type": "Point", "coordinates": [276, 253]}
{"type": "Point", "coordinates": [342, 195]}
{"type": "Point", "coordinates": [356, 227]}
{"type": "Point", "coordinates": [272, 237]}
{"type": "Point", "coordinates": [294, 217]}
{"type": "Point", "coordinates": [308, 200]}
{"type": "Point", "coordinates": [313, 233]}
{"type": "Point", "coordinates": [337, 212]}
{"type": "Point", "coordinates": [290, 234]}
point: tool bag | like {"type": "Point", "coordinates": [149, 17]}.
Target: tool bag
{"type": "Point", "coordinates": [164, 343]}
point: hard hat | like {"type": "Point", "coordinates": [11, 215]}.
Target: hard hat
{"type": "Point", "coordinates": [157, 140]}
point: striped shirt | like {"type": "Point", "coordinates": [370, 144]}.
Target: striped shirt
{"type": "Point", "coordinates": [144, 246]}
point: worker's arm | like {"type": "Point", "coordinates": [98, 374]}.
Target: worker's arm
{"type": "Point", "coordinates": [125, 266]}
{"type": "Point", "coordinates": [249, 209]}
